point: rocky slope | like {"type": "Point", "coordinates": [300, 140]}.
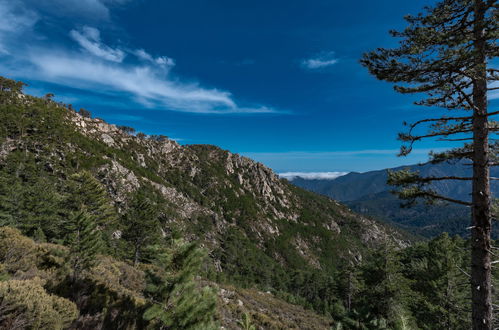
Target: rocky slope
{"type": "Point", "coordinates": [260, 230]}
{"type": "Point", "coordinates": [210, 190]}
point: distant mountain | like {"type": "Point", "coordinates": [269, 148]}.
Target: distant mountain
{"type": "Point", "coordinates": [368, 193]}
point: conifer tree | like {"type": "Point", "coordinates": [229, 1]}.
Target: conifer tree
{"type": "Point", "coordinates": [8, 86]}
{"type": "Point", "coordinates": [386, 292]}
{"type": "Point", "coordinates": [84, 241]}
{"type": "Point", "coordinates": [446, 53]}
{"type": "Point", "coordinates": [348, 283]}
{"type": "Point", "coordinates": [437, 276]}
{"type": "Point", "coordinates": [141, 224]}
{"type": "Point", "coordinates": [28, 200]}
{"type": "Point", "coordinates": [176, 299]}
{"type": "Point", "coordinates": [86, 193]}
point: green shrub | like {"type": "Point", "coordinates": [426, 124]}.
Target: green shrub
{"type": "Point", "coordinates": [24, 304]}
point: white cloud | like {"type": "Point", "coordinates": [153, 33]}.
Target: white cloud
{"type": "Point", "coordinates": [320, 61]}
{"type": "Point", "coordinates": [148, 85]}
{"type": "Point", "coordinates": [141, 81]}
{"type": "Point", "coordinates": [312, 175]}
{"type": "Point", "coordinates": [160, 60]}
{"type": "Point", "coordinates": [89, 39]}
{"type": "Point", "coordinates": [104, 70]}
{"type": "Point", "coordinates": [15, 20]}
{"type": "Point", "coordinates": [165, 61]}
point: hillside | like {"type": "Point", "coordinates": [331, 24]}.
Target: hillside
{"type": "Point", "coordinates": [259, 231]}
{"type": "Point", "coordinates": [369, 194]}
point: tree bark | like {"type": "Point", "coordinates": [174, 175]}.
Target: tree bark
{"type": "Point", "coordinates": [481, 201]}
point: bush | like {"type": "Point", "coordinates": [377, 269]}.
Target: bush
{"type": "Point", "coordinates": [17, 252]}
{"type": "Point", "coordinates": [24, 304]}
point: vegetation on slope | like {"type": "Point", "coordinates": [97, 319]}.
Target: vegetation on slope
{"type": "Point", "coordinates": [101, 191]}
{"type": "Point", "coordinates": [97, 223]}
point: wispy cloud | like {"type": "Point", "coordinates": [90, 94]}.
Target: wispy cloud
{"type": "Point", "coordinates": [151, 86]}
{"type": "Point", "coordinates": [312, 175]}
{"type": "Point", "coordinates": [14, 21]}
{"type": "Point", "coordinates": [160, 60]}
{"type": "Point", "coordinates": [106, 70]}
{"type": "Point", "coordinates": [144, 83]}
{"type": "Point", "coordinates": [89, 39]}
{"type": "Point", "coordinates": [320, 61]}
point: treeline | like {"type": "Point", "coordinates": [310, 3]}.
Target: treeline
{"type": "Point", "coordinates": [424, 286]}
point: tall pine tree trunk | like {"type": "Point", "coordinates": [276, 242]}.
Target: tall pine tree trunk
{"type": "Point", "coordinates": [481, 212]}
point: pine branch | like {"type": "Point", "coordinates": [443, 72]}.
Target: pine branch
{"type": "Point", "coordinates": [447, 199]}
{"type": "Point", "coordinates": [407, 137]}
{"type": "Point", "coordinates": [419, 122]}
{"type": "Point", "coordinates": [442, 178]}
{"type": "Point", "coordinates": [456, 140]}
{"type": "Point", "coordinates": [465, 96]}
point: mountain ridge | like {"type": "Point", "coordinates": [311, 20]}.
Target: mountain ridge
{"type": "Point", "coordinates": [260, 230]}
{"type": "Point", "coordinates": [369, 194]}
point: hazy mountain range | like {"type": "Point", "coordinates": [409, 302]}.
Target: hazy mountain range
{"type": "Point", "coordinates": [369, 194]}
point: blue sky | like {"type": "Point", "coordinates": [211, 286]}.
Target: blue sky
{"type": "Point", "coordinates": [278, 81]}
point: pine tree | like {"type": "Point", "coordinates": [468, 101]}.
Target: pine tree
{"type": "Point", "coordinates": [86, 193]}
{"type": "Point", "coordinates": [84, 241]}
{"type": "Point", "coordinates": [386, 292]}
{"type": "Point", "coordinates": [141, 224]}
{"type": "Point", "coordinates": [10, 192]}
{"type": "Point", "coordinates": [446, 53]}
{"type": "Point", "coordinates": [348, 283]}
{"type": "Point", "coordinates": [176, 299]}
{"type": "Point", "coordinates": [437, 276]}
{"type": "Point", "coordinates": [28, 199]}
